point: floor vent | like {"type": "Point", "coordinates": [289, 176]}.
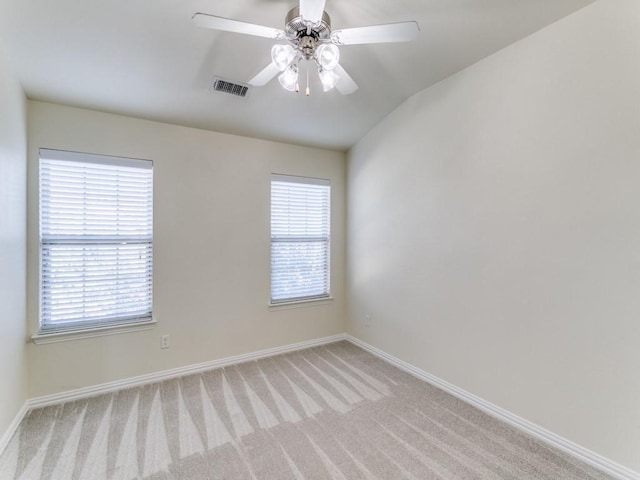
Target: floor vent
{"type": "Point", "coordinates": [225, 86]}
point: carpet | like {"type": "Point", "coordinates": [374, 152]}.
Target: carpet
{"type": "Point", "coordinates": [329, 412]}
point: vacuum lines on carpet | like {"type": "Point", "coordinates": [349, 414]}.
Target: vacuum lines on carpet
{"type": "Point", "coordinates": [329, 412]}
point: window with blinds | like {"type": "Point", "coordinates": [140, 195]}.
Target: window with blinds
{"type": "Point", "coordinates": [96, 241]}
{"type": "Point", "coordinates": [299, 238]}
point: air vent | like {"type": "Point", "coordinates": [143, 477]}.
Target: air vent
{"type": "Point", "coordinates": [225, 86]}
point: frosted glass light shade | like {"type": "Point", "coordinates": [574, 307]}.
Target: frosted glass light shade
{"type": "Point", "coordinates": [282, 56]}
{"type": "Point", "coordinates": [328, 56]}
{"type": "Point", "coordinates": [328, 79]}
{"type": "Point", "coordinates": [289, 78]}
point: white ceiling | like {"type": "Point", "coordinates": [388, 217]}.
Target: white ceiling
{"type": "Point", "coordinates": [147, 59]}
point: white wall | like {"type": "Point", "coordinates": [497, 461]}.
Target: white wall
{"type": "Point", "coordinates": [13, 230]}
{"type": "Point", "coordinates": [494, 230]}
{"type": "Point", "coordinates": [211, 247]}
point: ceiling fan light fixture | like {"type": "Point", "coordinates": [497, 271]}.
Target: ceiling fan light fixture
{"type": "Point", "coordinates": [289, 78]}
{"type": "Point", "coordinates": [308, 35]}
{"type": "Point", "coordinates": [328, 79]}
{"type": "Point", "coordinates": [328, 56]}
{"type": "Point", "coordinates": [282, 56]}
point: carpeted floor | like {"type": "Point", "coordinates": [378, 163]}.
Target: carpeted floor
{"type": "Point", "coordinates": [331, 412]}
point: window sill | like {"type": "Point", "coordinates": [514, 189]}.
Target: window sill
{"type": "Point", "coordinates": [300, 303]}
{"type": "Point", "coordinates": [55, 337]}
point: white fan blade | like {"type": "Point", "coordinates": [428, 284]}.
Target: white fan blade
{"type": "Point", "coordinates": [346, 85]}
{"type": "Point", "coordinates": [311, 10]}
{"type": "Point", "coordinates": [228, 25]}
{"type": "Point", "coordinates": [265, 75]}
{"type": "Point", "coordinates": [387, 33]}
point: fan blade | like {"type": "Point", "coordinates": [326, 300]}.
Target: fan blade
{"type": "Point", "coordinates": [387, 33]}
{"type": "Point", "coordinates": [228, 25]}
{"type": "Point", "coordinates": [346, 85]}
{"type": "Point", "coordinates": [265, 75]}
{"type": "Point", "coordinates": [312, 10]}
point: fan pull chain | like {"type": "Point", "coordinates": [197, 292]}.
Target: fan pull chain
{"type": "Point", "coordinates": [308, 91]}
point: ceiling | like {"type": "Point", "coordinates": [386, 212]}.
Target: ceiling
{"type": "Point", "coordinates": [147, 59]}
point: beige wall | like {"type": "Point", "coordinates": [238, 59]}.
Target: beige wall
{"type": "Point", "coordinates": [494, 230]}
{"type": "Point", "coordinates": [211, 247]}
{"type": "Point", "coordinates": [13, 230]}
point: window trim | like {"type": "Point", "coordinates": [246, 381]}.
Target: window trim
{"type": "Point", "coordinates": [94, 327]}
{"type": "Point", "coordinates": [298, 302]}
{"type": "Point", "coordinates": [289, 304]}
{"type": "Point", "coordinates": [43, 338]}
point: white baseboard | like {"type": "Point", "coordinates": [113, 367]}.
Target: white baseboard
{"type": "Point", "coordinates": [598, 461]}
{"type": "Point", "coordinates": [13, 426]}
{"type": "Point", "coordinates": [109, 387]}
{"type": "Point", "coordinates": [614, 469]}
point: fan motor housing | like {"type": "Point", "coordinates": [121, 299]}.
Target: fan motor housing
{"type": "Point", "coordinates": [295, 27]}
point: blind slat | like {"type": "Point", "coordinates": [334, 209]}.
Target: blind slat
{"type": "Point", "coordinates": [300, 227]}
{"type": "Point", "coordinates": [96, 245]}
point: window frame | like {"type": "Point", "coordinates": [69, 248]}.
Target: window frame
{"type": "Point", "coordinates": [294, 301]}
{"type": "Point", "coordinates": [52, 330]}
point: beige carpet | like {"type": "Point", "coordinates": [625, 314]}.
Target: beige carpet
{"type": "Point", "coordinates": [331, 412]}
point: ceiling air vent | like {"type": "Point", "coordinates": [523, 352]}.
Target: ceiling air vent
{"type": "Point", "coordinates": [225, 86]}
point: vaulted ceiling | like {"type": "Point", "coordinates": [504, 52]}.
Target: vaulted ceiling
{"type": "Point", "coordinates": [149, 60]}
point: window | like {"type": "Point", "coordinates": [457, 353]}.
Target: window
{"type": "Point", "coordinates": [96, 241]}
{"type": "Point", "coordinates": [299, 238]}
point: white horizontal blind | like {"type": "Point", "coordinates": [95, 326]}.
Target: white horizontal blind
{"type": "Point", "coordinates": [96, 240]}
{"type": "Point", "coordinates": [299, 238]}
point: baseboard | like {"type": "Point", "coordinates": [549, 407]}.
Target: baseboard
{"type": "Point", "coordinates": [109, 387]}
{"type": "Point", "coordinates": [614, 469]}
{"type": "Point", "coordinates": [13, 426]}
{"type": "Point", "coordinates": [598, 461]}
{"type": "Point", "coordinates": [173, 373]}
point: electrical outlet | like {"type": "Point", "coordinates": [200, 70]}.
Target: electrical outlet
{"type": "Point", "coordinates": [164, 341]}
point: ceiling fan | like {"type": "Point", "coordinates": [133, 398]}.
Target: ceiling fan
{"type": "Point", "coordinates": [307, 35]}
